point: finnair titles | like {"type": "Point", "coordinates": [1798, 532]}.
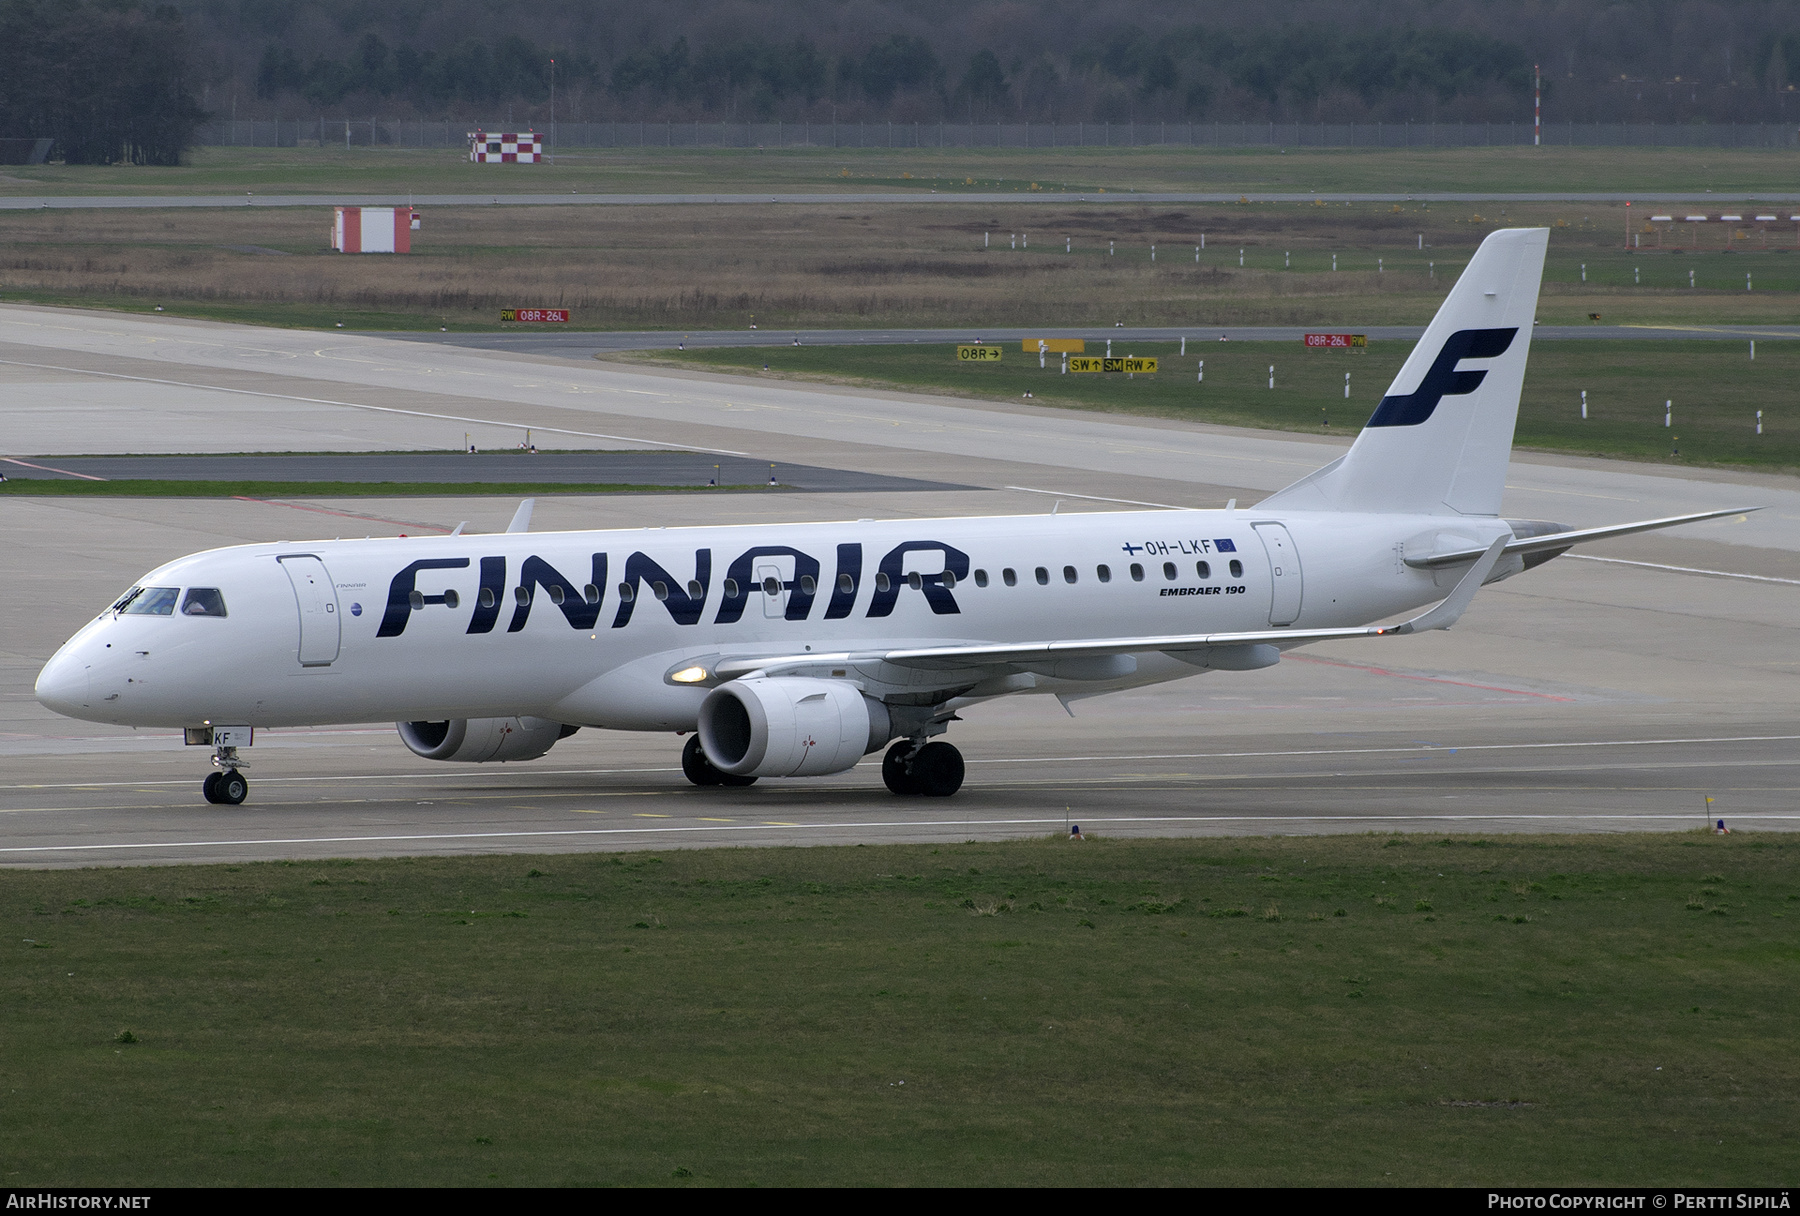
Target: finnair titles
{"type": "Point", "coordinates": [796, 650]}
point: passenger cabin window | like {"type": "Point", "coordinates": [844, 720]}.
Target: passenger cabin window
{"type": "Point", "coordinates": [981, 578]}
{"type": "Point", "coordinates": [152, 601]}
{"type": "Point", "coordinates": [1009, 577]}
{"type": "Point", "coordinates": [1169, 571]}
{"type": "Point", "coordinates": [1103, 573]}
{"type": "Point", "coordinates": [1237, 568]}
{"type": "Point", "coordinates": [1043, 577]}
{"type": "Point", "coordinates": [1137, 573]}
{"type": "Point", "coordinates": [203, 601]}
{"type": "Point", "coordinates": [1069, 575]}
{"type": "Point", "coordinates": [1203, 569]}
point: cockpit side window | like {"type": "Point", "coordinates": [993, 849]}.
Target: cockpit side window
{"type": "Point", "coordinates": [152, 601]}
{"type": "Point", "coordinates": [203, 601]}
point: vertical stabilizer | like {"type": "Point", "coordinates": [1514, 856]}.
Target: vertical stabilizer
{"type": "Point", "coordinates": [1439, 441]}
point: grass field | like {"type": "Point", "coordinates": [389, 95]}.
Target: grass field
{"type": "Point", "coordinates": [1487, 171]}
{"type": "Point", "coordinates": [834, 265]}
{"type": "Point", "coordinates": [1715, 388]}
{"type": "Point", "coordinates": [1353, 1011]}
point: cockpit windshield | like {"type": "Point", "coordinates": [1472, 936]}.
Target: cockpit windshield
{"type": "Point", "coordinates": [150, 601]}
{"type": "Point", "coordinates": [203, 601]}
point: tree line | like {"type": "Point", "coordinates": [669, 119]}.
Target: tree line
{"type": "Point", "coordinates": [110, 83]}
{"type": "Point", "coordinates": [991, 60]}
{"type": "Point", "coordinates": [1180, 75]}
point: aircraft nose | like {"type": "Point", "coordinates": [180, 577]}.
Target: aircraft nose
{"type": "Point", "coordinates": [63, 684]}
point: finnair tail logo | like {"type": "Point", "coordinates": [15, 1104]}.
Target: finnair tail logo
{"type": "Point", "coordinates": [1443, 380]}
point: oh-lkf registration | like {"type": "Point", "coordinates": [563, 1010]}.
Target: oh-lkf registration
{"type": "Point", "coordinates": [796, 650]}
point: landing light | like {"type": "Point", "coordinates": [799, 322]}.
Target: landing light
{"type": "Point", "coordinates": [690, 675]}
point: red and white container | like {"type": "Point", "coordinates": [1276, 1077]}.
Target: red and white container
{"type": "Point", "coordinates": [372, 230]}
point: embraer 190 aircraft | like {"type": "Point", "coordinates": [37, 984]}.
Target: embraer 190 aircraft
{"type": "Point", "coordinates": [795, 650]}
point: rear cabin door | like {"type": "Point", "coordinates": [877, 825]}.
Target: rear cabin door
{"type": "Point", "coordinates": [320, 631]}
{"type": "Point", "coordinates": [1284, 573]}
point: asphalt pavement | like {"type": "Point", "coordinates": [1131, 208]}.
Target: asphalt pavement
{"type": "Point", "coordinates": [1612, 689]}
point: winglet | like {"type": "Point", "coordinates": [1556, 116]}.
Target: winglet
{"type": "Point", "coordinates": [1447, 612]}
{"type": "Point", "coordinates": [521, 520]}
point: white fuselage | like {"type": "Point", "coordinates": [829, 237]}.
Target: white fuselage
{"type": "Point", "coordinates": [469, 627]}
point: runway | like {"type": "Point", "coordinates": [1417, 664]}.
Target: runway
{"type": "Point", "coordinates": [675, 470]}
{"type": "Point", "coordinates": [1585, 695]}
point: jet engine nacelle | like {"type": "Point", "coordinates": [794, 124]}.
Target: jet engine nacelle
{"type": "Point", "coordinates": [772, 726]}
{"type": "Point", "coordinates": [480, 740]}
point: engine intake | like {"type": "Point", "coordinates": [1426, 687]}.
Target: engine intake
{"type": "Point", "coordinates": [772, 726]}
{"type": "Point", "coordinates": [480, 740]}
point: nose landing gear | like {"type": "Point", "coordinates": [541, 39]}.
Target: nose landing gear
{"type": "Point", "coordinates": [228, 786]}
{"type": "Point", "coordinates": [933, 771]}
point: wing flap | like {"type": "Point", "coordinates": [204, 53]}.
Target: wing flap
{"type": "Point", "coordinates": [1039, 654]}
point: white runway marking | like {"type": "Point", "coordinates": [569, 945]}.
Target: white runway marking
{"type": "Point", "coordinates": [1422, 749]}
{"type": "Point", "coordinates": [886, 824]}
{"type": "Point", "coordinates": [1130, 502]}
{"type": "Point", "coordinates": [378, 409]}
{"type": "Point", "coordinates": [1619, 561]}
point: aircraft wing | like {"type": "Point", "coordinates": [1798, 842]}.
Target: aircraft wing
{"type": "Point", "coordinates": [1563, 540]}
{"type": "Point", "coordinates": [1443, 616]}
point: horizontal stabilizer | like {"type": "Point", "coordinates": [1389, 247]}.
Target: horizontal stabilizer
{"type": "Point", "coordinates": [1563, 540]}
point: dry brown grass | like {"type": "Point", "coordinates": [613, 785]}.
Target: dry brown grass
{"type": "Point", "coordinates": [828, 265]}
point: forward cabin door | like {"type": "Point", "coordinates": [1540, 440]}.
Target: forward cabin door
{"type": "Point", "coordinates": [320, 632]}
{"type": "Point", "coordinates": [1284, 573]}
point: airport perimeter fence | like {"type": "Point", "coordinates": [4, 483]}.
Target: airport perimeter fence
{"type": "Point", "coordinates": [574, 136]}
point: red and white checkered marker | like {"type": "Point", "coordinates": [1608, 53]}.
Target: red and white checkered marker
{"type": "Point", "coordinates": [524, 148]}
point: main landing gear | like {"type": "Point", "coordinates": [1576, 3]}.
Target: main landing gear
{"type": "Point", "coordinates": [934, 770]}
{"type": "Point", "coordinates": [698, 769]}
